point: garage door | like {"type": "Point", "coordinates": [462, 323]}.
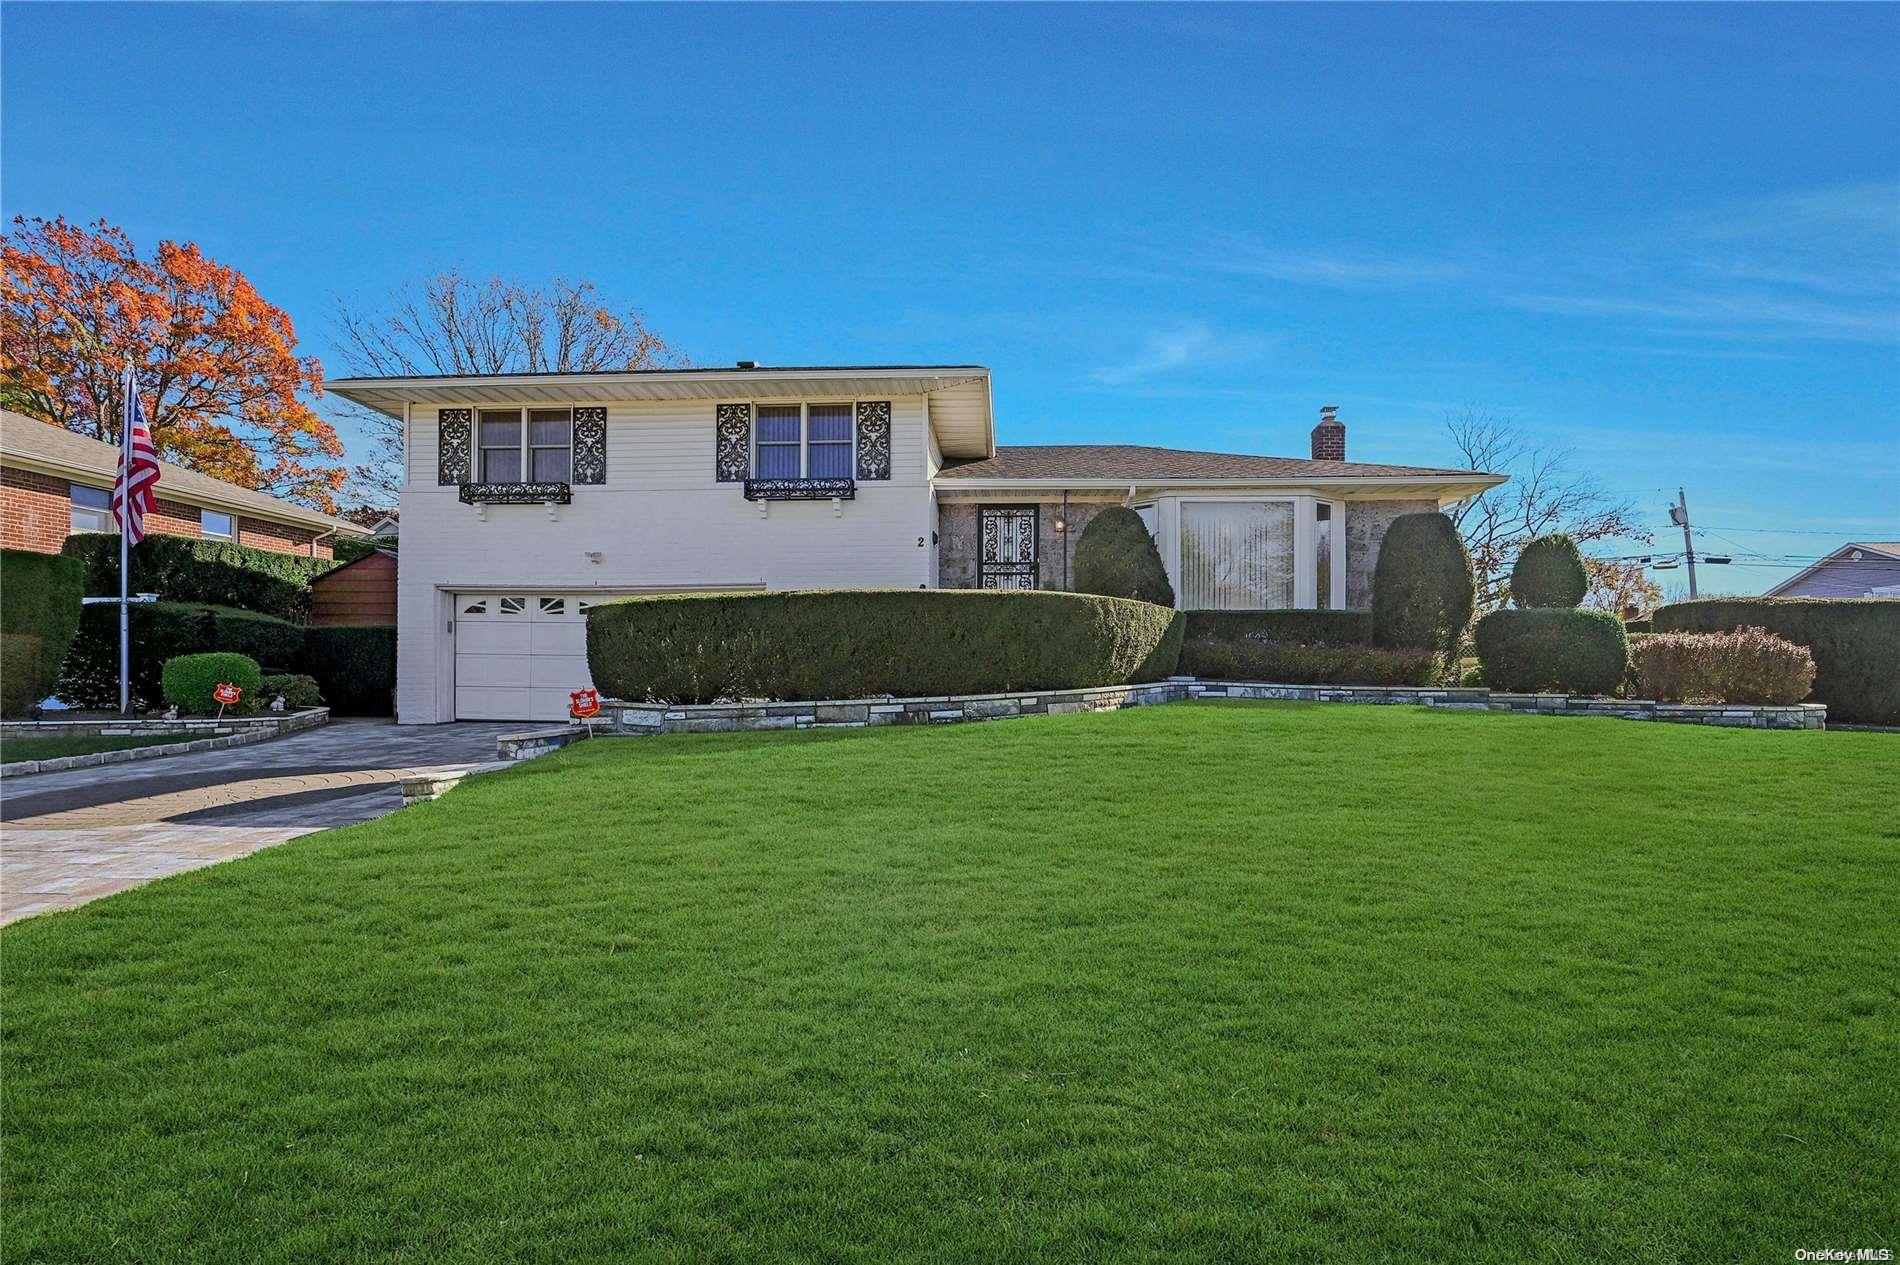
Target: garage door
{"type": "Point", "coordinates": [518, 656]}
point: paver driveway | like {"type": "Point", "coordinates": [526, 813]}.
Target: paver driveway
{"type": "Point", "coordinates": [76, 835]}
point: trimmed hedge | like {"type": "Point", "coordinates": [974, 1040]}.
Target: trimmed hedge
{"type": "Point", "coordinates": [1743, 666]}
{"type": "Point", "coordinates": [1290, 663]}
{"type": "Point", "coordinates": [1423, 588]}
{"type": "Point", "coordinates": [41, 603]}
{"type": "Point", "coordinates": [1116, 557]}
{"type": "Point", "coordinates": [1555, 649]}
{"type": "Point", "coordinates": [354, 667]}
{"type": "Point", "coordinates": [181, 569]}
{"type": "Point", "coordinates": [189, 680]}
{"type": "Point", "coordinates": [1310, 628]}
{"type": "Point", "coordinates": [21, 674]}
{"type": "Point", "coordinates": [1855, 643]}
{"type": "Point", "coordinates": [1549, 573]}
{"type": "Point", "coordinates": [703, 648]}
{"type": "Point", "coordinates": [299, 691]}
{"type": "Point", "coordinates": [165, 630]}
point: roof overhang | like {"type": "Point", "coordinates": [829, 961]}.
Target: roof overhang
{"type": "Point", "coordinates": [389, 396]}
{"type": "Point", "coordinates": [1441, 488]}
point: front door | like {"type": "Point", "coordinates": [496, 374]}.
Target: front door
{"type": "Point", "coordinates": [1008, 557]}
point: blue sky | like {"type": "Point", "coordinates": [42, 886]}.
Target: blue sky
{"type": "Point", "coordinates": [1668, 238]}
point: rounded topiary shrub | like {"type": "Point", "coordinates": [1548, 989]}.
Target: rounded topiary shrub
{"type": "Point", "coordinates": [1550, 572]}
{"type": "Point", "coordinates": [1855, 643]}
{"type": "Point", "coordinates": [1116, 557]}
{"type": "Point", "coordinates": [867, 643]}
{"type": "Point", "coordinates": [1560, 650]}
{"type": "Point", "coordinates": [1423, 589]}
{"type": "Point", "coordinates": [189, 679]}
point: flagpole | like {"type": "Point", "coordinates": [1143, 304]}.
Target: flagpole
{"type": "Point", "coordinates": [125, 549]}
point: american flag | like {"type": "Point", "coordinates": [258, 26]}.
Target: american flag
{"type": "Point", "coordinates": [132, 495]}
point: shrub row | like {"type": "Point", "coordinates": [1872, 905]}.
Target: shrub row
{"type": "Point", "coordinates": [702, 648]}
{"type": "Point", "coordinates": [1311, 628]}
{"type": "Point", "coordinates": [1747, 665]}
{"type": "Point", "coordinates": [354, 667]}
{"type": "Point", "coordinates": [1291, 663]}
{"type": "Point", "coordinates": [1552, 648]}
{"type": "Point", "coordinates": [1855, 643]}
{"type": "Point", "coordinates": [39, 617]}
{"type": "Point", "coordinates": [213, 572]}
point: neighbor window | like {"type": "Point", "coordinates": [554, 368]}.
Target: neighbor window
{"type": "Point", "coordinates": [527, 445]}
{"type": "Point", "coordinates": [215, 526]}
{"type": "Point", "coordinates": [92, 509]}
{"type": "Point", "coordinates": [809, 441]}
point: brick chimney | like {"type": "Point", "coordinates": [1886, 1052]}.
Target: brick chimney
{"type": "Point", "coordinates": [1329, 437]}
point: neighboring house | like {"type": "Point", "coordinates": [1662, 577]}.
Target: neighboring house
{"type": "Point", "coordinates": [356, 594]}
{"type": "Point", "coordinates": [530, 497]}
{"type": "Point", "coordinates": [54, 483]}
{"type": "Point", "coordinates": [1853, 570]}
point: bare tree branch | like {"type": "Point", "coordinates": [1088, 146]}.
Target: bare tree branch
{"type": "Point", "coordinates": [447, 323]}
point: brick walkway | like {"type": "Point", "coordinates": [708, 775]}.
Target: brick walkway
{"type": "Point", "coordinates": [74, 836]}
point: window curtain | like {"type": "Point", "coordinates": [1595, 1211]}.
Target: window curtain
{"type": "Point", "coordinates": [1237, 555]}
{"type": "Point", "coordinates": [830, 441]}
{"type": "Point", "coordinates": [778, 441]}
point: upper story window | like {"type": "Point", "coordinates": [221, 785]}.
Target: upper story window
{"type": "Point", "coordinates": [803, 441]}
{"type": "Point", "coordinates": [533, 445]}
{"type": "Point", "coordinates": [215, 526]}
{"type": "Point", "coordinates": [92, 509]}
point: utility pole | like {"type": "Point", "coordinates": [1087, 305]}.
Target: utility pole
{"type": "Point", "coordinates": [1679, 515]}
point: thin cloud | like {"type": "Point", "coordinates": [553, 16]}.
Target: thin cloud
{"type": "Point", "coordinates": [1191, 346]}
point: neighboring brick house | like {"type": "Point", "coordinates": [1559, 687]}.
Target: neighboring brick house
{"type": "Point", "coordinates": [54, 483]}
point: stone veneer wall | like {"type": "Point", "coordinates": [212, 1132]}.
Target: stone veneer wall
{"type": "Point", "coordinates": [1366, 522]}
{"type": "Point", "coordinates": [959, 540]}
{"type": "Point", "coordinates": [659, 718]}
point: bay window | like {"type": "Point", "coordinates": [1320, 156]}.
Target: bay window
{"type": "Point", "coordinates": [1254, 553]}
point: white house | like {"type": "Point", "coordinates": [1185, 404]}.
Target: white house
{"type": "Point", "coordinates": [530, 497]}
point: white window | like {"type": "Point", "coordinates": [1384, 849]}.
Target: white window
{"type": "Point", "coordinates": [1260, 553]}
{"type": "Point", "coordinates": [92, 509]}
{"type": "Point", "coordinates": [803, 441]}
{"type": "Point", "coordinates": [537, 441]}
{"type": "Point", "coordinates": [1236, 555]}
{"type": "Point", "coordinates": [215, 526]}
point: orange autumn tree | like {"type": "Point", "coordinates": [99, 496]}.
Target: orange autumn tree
{"type": "Point", "coordinates": [218, 369]}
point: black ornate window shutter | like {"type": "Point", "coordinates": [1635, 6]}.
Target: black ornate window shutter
{"type": "Point", "coordinates": [732, 443]}
{"type": "Point", "coordinates": [590, 445]}
{"type": "Point", "coordinates": [874, 439]}
{"type": "Point", "coordinates": [453, 451]}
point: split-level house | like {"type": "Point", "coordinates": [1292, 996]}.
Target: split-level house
{"type": "Point", "coordinates": [528, 498]}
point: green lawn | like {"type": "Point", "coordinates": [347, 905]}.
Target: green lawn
{"type": "Point", "coordinates": [1218, 982]}
{"type": "Point", "coordinates": [49, 748]}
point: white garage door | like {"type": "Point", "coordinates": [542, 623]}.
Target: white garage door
{"type": "Point", "coordinates": [518, 656]}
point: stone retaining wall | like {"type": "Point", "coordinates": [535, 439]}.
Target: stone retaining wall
{"type": "Point", "coordinates": [653, 718]}
{"type": "Point", "coordinates": [193, 735]}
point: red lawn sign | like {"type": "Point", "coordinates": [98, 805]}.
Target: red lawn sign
{"type": "Point", "coordinates": [226, 694]}
{"type": "Point", "coordinates": [584, 704]}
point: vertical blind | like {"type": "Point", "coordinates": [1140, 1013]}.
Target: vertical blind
{"type": "Point", "coordinates": [1237, 555]}
{"type": "Point", "coordinates": [778, 441]}
{"type": "Point", "coordinates": [830, 440]}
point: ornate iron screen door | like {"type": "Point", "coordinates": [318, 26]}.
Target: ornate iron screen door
{"type": "Point", "coordinates": [1008, 560]}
